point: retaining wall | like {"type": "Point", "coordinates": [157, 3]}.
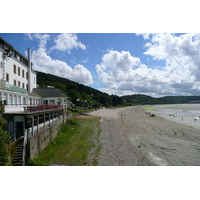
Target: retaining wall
{"type": "Point", "coordinates": [41, 140]}
{"type": "Point", "coordinates": [37, 143]}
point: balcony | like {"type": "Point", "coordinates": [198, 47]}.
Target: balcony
{"type": "Point", "coordinates": [41, 107]}
{"type": "Point", "coordinates": [7, 86]}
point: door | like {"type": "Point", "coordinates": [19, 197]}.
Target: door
{"type": "Point", "coordinates": [19, 129]}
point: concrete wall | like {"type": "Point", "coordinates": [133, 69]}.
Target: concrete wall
{"type": "Point", "coordinates": [69, 115]}
{"type": "Point", "coordinates": [37, 143]}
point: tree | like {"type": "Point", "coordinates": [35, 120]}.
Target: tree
{"type": "Point", "coordinates": [4, 153]}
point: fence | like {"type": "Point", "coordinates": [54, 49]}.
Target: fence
{"type": "Point", "coordinates": [41, 107]}
{"type": "Point", "coordinates": [24, 149]}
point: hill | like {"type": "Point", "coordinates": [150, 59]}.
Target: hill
{"type": "Point", "coordinates": [144, 99]}
{"type": "Point", "coordinates": [78, 93]}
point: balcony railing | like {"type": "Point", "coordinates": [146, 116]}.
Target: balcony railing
{"type": "Point", "coordinates": [7, 86]}
{"type": "Point", "coordinates": [41, 107]}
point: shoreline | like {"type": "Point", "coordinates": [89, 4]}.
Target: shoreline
{"type": "Point", "coordinates": [183, 114]}
{"type": "Point", "coordinates": [130, 137]}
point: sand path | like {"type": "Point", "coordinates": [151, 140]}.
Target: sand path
{"type": "Point", "coordinates": [116, 147]}
{"type": "Point", "coordinates": [130, 137]}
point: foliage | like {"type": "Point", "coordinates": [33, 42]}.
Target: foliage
{"type": "Point", "coordinates": [4, 154]}
{"type": "Point", "coordinates": [79, 94]}
{"type": "Point", "coordinates": [144, 99]}
{"type": "Point", "coordinates": [95, 98]}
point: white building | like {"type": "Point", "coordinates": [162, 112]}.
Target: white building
{"type": "Point", "coordinates": [23, 101]}
{"type": "Point", "coordinates": [18, 81]}
{"type": "Point", "coordinates": [17, 77]}
{"type": "Point", "coordinates": [32, 113]}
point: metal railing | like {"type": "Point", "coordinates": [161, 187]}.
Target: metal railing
{"type": "Point", "coordinates": [41, 107]}
{"type": "Point", "coordinates": [7, 86]}
{"type": "Point", "coordinates": [24, 148]}
{"type": "Point", "coordinates": [11, 139]}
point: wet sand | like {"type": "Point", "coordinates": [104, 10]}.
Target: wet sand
{"type": "Point", "coordinates": [181, 113]}
{"type": "Point", "coordinates": [130, 137]}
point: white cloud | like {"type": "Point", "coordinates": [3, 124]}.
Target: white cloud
{"type": "Point", "coordinates": [42, 38]}
{"type": "Point", "coordinates": [145, 35]}
{"type": "Point", "coordinates": [85, 61]}
{"type": "Point", "coordinates": [183, 50]}
{"type": "Point", "coordinates": [44, 63]}
{"type": "Point", "coordinates": [123, 73]}
{"type": "Point", "coordinates": [67, 42]}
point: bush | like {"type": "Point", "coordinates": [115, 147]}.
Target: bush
{"type": "Point", "coordinates": [3, 144]}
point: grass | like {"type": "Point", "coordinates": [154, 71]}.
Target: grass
{"type": "Point", "coordinates": [149, 108]}
{"type": "Point", "coordinates": [72, 145]}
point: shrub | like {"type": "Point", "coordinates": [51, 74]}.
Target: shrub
{"type": "Point", "coordinates": [3, 144]}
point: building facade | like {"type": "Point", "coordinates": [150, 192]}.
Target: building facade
{"type": "Point", "coordinates": [28, 110]}
{"type": "Point", "coordinates": [17, 78]}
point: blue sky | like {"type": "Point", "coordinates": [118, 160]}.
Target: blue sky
{"type": "Point", "coordinates": [118, 63]}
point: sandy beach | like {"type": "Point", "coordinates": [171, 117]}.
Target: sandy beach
{"type": "Point", "coordinates": [130, 137]}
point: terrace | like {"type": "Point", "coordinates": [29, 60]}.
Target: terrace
{"type": "Point", "coordinates": [25, 109]}
{"type": "Point", "coordinates": [41, 107]}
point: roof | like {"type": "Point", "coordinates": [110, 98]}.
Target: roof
{"type": "Point", "coordinates": [48, 92]}
{"type": "Point", "coordinates": [33, 94]}
{"type": "Point", "coordinates": [13, 49]}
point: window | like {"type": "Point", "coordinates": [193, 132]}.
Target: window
{"type": "Point", "coordinates": [52, 102]}
{"type": "Point", "coordinates": [23, 85]}
{"type": "Point", "coordinates": [14, 68]}
{"type": "Point", "coordinates": [5, 96]}
{"type": "Point", "coordinates": [15, 99]}
{"type": "Point", "coordinates": [19, 83]}
{"type": "Point", "coordinates": [10, 99]}
{"type": "Point", "coordinates": [19, 99]}
{"type": "Point", "coordinates": [14, 54]}
{"type": "Point", "coordinates": [5, 99]}
{"type": "Point", "coordinates": [24, 100]}
{"type": "Point", "coordinates": [22, 73]}
{"type": "Point", "coordinates": [7, 77]}
{"type": "Point", "coordinates": [26, 75]}
{"type": "Point", "coordinates": [27, 87]}
{"type": "Point", "coordinates": [14, 82]}
{"type": "Point", "coordinates": [19, 71]}
{"type": "Point", "coordinates": [18, 57]}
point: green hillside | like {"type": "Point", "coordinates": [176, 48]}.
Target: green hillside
{"type": "Point", "coordinates": [144, 99]}
{"type": "Point", "coordinates": [78, 93]}
{"type": "Point", "coordinates": [82, 95]}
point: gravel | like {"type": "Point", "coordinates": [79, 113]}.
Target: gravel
{"type": "Point", "coordinates": [130, 137]}
{"type": "Point", "coordinates": [116, 147]}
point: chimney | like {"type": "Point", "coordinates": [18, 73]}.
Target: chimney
{"type": "Point", "coordinates": [29, 70]}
